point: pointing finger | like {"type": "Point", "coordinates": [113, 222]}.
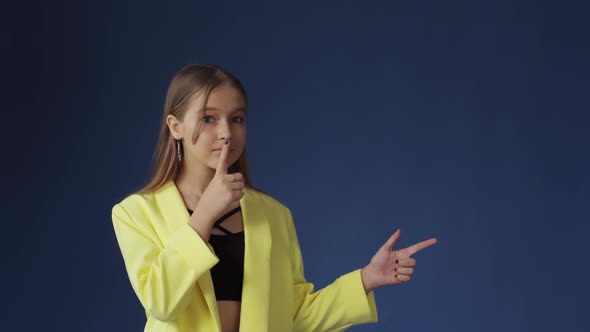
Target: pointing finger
{"type": "Point", "coordinates": [422, 245]}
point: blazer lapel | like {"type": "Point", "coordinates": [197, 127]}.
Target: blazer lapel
{"type": "Point", "coordinates": [257, 240]}
{"type": "Point", "coordinates": [256, 285]}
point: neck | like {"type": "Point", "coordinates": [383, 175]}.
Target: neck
{"type": "Point", "coordinates": [192, 182]}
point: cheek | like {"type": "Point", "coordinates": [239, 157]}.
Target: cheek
{"type": "Point", "coordinates": [203, 144]}
{"type": "Point", "coordinates": [240, 135]}
{"type": "Point", "coordinates": [206, 135]}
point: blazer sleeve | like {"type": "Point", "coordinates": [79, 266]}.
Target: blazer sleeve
{"type": "Point", "coordinates": [337, 306]}
{"type": "Point", "coordinates": [162, 277]}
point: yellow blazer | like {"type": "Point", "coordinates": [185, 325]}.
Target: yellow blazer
{"type": "Point", "coordinates": [169, 264]}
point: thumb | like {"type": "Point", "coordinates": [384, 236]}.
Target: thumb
{"type": "Point", "coordinates": [221, 162]}
{"type": "Point", "coordinates": [392, 240]}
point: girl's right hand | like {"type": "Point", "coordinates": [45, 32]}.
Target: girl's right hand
{"type": "Point", "coordinates": [223, 190]}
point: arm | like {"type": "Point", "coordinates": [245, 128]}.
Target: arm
{"type": "Point", "coordinates": [334, 308]}
{"type": "Point", "coordinates": [162, 278]}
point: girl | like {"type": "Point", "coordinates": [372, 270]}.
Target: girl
{"type": "Point", "coordinates": [207, 251]}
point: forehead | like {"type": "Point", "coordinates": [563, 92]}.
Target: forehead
{"type": "Point", "coordinates": [226, 97]}
{"type": "Point", "coordinates": [223, 99]}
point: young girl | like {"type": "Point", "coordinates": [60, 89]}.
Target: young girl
{"type": "Point", "coordinates": [207, 251]}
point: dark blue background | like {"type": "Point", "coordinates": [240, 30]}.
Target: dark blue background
{"type": "Point", "coordinates": [461, 120]}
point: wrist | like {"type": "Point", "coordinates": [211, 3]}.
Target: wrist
{"type": "Point", "coordinates": [368, 280]}
{"type": "Point", "coordinates": [203, 214]}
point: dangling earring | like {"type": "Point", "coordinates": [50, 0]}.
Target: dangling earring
{"type": "Point", "coordinates": [178, 153]}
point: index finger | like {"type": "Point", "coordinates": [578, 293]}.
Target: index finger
{"type": "Point", "coordinates": [422, 245]}
{"type": "Point", "coordinates": [221, 166]}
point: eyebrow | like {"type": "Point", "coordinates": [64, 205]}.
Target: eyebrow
{"type": "Point", "coordinates": [239, 109]}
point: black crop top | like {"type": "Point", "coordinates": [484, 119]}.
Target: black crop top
{"type": "Point", "coordinates": [228, 273]}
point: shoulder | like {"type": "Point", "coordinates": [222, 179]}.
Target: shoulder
{"type": "Point", "coordinates": [133, 205]}
{"type": "Point", "coordinates": [266, 200]}
{"type": "Point", "coordinates": [272, 209]}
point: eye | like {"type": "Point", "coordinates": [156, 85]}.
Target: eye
{"type": "Point", "coordinates": [207, 118]}
{"type": "Point", "coordinates": [239, 119]}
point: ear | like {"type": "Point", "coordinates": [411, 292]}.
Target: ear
{"type": "Point", "coordinates": [175, 126]}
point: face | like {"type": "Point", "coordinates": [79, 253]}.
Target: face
{"type": "Point", "coordinates": [223, 118]}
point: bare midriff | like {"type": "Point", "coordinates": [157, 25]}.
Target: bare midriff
{"type": "Point", "coordinates": [229, 315]}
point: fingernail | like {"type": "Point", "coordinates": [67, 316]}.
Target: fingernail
{"type": "Point", "coordinates": [226, 141]}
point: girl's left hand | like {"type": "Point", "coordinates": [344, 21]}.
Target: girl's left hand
{"type": "Point", "coordinates": [392, 267]}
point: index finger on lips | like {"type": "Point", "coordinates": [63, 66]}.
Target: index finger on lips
{"type": "Point", "coordinates": [221, 162]}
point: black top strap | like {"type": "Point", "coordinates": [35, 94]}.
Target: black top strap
{"type": "Point", "coordinates": [227, 215]}
{"type": "Point", "coordinates": [220, 220]}
{"type": "Point", "coordinates": [223, 230]}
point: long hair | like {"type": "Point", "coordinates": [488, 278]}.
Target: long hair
{"type": "Point", "coordinates": [186, 84]}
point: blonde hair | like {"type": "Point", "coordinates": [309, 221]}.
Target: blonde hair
{"type": "Point", "coordinates": [189, 82]}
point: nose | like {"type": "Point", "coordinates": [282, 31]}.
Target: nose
{"type": "Point", "coordinates": [224, 131]}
